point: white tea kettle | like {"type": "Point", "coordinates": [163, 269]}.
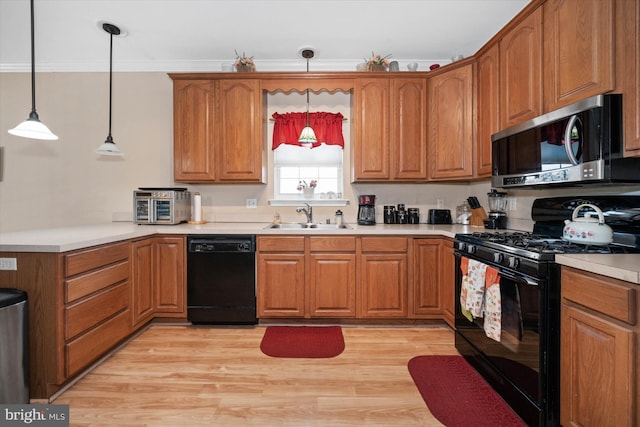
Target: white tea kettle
{"type": "Point", "coordinates": [587, 230]}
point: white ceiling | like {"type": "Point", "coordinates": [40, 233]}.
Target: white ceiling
{"type": "Point", "coordinates": [201, 35]}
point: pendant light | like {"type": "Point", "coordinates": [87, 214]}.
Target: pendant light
{"type": "Point", "coordinates": [109, 148]}
{"type": "Point", "coordinates": [33, 127]}
{"type": "Point", "coordinates": [307, 136]}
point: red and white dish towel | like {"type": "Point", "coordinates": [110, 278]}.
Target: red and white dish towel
{"type": "Point", "coordinates": [480, 295]}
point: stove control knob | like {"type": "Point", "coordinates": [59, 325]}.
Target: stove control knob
{"type": "Point", "coordinates": [471, 249]}
{"type": "Point", "coordinates": [498, 257]}
{"type": "Point", "coordinates": [462, 246]}
{"type": "Point", "coordinates": [514, 262]}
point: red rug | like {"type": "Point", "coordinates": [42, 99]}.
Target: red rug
{"type": "Point", "coordinates": [457, 395]}
{"type": "Point", "coordinates": [302, 341]}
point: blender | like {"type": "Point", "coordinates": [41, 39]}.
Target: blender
{"type": "Point", "coordinates": [497, 217]}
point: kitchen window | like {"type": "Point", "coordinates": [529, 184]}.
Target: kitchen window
{"type": "Point", "coordinates": [293, 164]}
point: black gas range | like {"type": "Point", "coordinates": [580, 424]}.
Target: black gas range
{"type": "Point", "coordinates": [524, 364]}
{"type": "Point", "coordinates": [525, 251]}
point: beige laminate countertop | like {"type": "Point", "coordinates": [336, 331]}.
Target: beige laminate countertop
{"type": "Point", "coordinates": [618, 266]}
{"type": "Point", "coordinates": [71, 238]}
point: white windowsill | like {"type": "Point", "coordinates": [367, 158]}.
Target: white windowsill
{"type": "Point", "coordinates": [312, 202]}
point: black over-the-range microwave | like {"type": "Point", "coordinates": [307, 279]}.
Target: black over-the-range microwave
{"type": "Point", "coordinates": [575, 145]}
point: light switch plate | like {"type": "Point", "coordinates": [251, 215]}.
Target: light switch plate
{"type": "Point", "coordinates": [8, 264]}
{"type": "Point", "coordinates": [252, 203]}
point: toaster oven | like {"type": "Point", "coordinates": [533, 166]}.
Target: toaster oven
{"type": "Point", "coordinates": [161, 205]}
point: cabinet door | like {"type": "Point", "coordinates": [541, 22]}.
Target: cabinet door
{"type": "Point", "coordinates": [170, 276]}
{"type": "Point", "coordinates": [281, 285]}
{"type": "Point", "coordinates": [425, 301]}
{"type": "Point", "coordinates": [332, 285]}
{"type": "Point", "coordinates": [193, 127]}
{"type": "Point", "coordinates": [488, 72]}
{"type": "Point", "coordinates": [597, 371]}
{"type": "Point", "coordinates": [370, 148]}
{"type": "Point", "coordinates": [142, 281]}
{"type": "Point", "coordinates": [383, 285]}
{"type": "Point", "coordinates": [627, 75]}
{"type": "Point", "coordinates": [408, 129]}
{"type": "Point", "coordinates": [447, 282]}
{"type": "Point", "coordinates": [451, 124]}
{"type": "Point", "coordinates": [240, 146]}
{"type": "Point", "coordinates": [578, 50]}
{"type": "Point", "coordinates": [521, 71]}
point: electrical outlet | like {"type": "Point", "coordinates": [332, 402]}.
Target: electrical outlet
{"type": "Point", "coordinates": [8, 264]}
{"type": "Point", "coordinates": [512, 204]}
{"type": "Point", "coordinates": [252, 203]}
{"type": "Point", "coordinates": [440, 203]}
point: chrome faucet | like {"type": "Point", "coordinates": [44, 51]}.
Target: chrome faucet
{"type": "Point", "coordinates": [308, 212]}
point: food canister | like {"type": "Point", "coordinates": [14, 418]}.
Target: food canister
{"type": "Point", "coordinates": [402, 217]}
{"type": "Point", "coordinates": [414, 215]}
{"type": "Point", "coordinates": [389, 214]}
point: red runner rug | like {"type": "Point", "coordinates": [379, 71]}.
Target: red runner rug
{"type": "Point", "coordinates": [302, 341]}
{"type": "Point", "coordinates": [457, 395]}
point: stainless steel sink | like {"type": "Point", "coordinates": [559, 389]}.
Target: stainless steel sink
{"type": "Point", "coordinates": [303, 226]}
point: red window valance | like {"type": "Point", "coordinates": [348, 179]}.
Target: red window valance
{"type": "Point", "coordinates": [327, 127]}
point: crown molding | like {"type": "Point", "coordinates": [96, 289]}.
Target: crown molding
{"type": "Point", "coordinates": [203, 66]}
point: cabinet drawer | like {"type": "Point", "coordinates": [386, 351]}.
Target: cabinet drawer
{"type": "Point", "coordinates": [384, 244]}
{"type": "Point", "coordinates": [87, 314]}
{"type": "Point", "coordinates": [89, 347]}
{"type": "Point", "coordinates": [606, 295]}
{"type": "Point", "coordinates": [89, 283]}
{"type": "Point", "coordinates": [80, 262]}
{"type": "Point", "coordinates": [281, 244]}
{"type": "Point", "coordinates": [333, 244]}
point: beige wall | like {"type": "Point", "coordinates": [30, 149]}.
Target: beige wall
{"type": "Point", "coordinates": [60, 183]}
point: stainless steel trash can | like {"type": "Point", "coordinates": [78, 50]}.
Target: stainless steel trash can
{"type": "Point", "coordinates": [14, 346]}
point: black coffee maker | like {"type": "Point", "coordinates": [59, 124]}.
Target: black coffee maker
{"type": "Point", "coordinates": [367, 210]}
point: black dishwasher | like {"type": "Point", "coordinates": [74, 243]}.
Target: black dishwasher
{"type": "Point", "coordinates": [221, 271]}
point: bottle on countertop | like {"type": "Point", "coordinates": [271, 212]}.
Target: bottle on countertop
{"type": "Point", "coordinates": [339, 218]}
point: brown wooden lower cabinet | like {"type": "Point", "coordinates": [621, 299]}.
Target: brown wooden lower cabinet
{"type": "Point", "coordinates": [141, 282]}
{"type": "Point", "coordinates": [353, 277]}
{"type": "Point", "coordinates": [383, 280]}
{"type": "Point", "coordinates": [332, 276]}
{"type": "Point", "coordinates": [431, 295]}
{"type": "Point", "coordinates": [169, 263]}
{"type": "Point", "coordinates": [599, 347]}
{"type": "Point", "coordinates": [281, 273]}
{"type": "Point", "coordinates": [447, 282]}
{"type": "Point", "coordinates": [83, 303]}
{"type": "Point", "coordinates": [158, 271]}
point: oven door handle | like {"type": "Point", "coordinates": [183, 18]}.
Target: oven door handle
{"type": "Point", "coordinates": [520, 279]}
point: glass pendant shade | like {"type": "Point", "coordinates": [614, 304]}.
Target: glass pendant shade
{"type": "Point", "coordinates": [109, 148]}
{"type": "Point", "coordinates": [33, 128]}
{"type": "Point", "coordinates": [307, 135]}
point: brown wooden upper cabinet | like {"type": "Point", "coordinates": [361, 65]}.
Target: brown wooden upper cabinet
{"type": "Point", "coordinates": [218, 130]}
{"type": "Point", "coordinates": [521, 71]}
{"type": "Point", "coordinates": [451, 121]}
{"type": "Point", "coordinates": [627, 78]}
{"type": "Point", "coordinates": [389, 130]}
{"type": "Point", "coordinates": [488, 101]}
{"type": "Point", "coordinates": [578, 50]}
{"type": "Point", "coordinates": [193, 123]}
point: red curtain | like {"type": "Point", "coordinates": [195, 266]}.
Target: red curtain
{"type": "Point", "coordinates": [327, 127]}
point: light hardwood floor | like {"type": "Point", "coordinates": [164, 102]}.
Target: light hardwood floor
{"type": "Point", "coordinates": [217, 376]}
